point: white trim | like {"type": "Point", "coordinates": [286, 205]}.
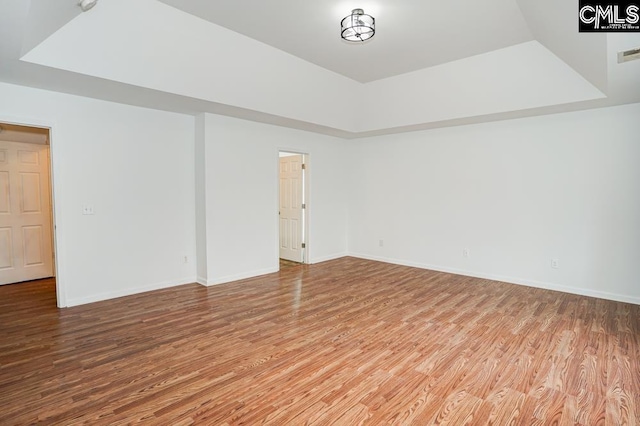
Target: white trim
{"type": "Point", "coordinates": [507, 279]}
{"type": "Point", "coordinates": [306, 189]}
{"type": "Point", "coordinates": [306, 257]}
{"type": "Point", "coordinates": [59, 273]}
{"type": "Point", "coordinates": [129, 291]}
{"type": "Point", "coordinates": [241, 276]}
{"type": "Point", "coordinates": [329, 257]}
{"type": "Point", "coordinates": [201, 280]}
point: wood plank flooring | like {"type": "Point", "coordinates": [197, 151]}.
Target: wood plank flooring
{"type": "Point", "coordinates": [288, 264]}
{"type": "Point", "coordinates": [344, 342]}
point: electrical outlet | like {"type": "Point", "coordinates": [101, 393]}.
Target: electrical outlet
{"type": "Point", "coordinates": [554, 263]}
{"type": "Point", "coordinates": [87, 209]}
{"type": "Point", "coordinates": [186, 259]}
{"type": "Point", "coordinates": [380, 243]}
{"type": "Point", "coordinates": [465, 252]}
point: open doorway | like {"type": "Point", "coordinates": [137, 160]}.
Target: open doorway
{"type": "Point", "coordinates": [26, 213]}
{"type": "Point", "coordinates": [293, 208]}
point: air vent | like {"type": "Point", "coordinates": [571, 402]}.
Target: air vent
{"type": "Point", "coordinates": [628, 55]}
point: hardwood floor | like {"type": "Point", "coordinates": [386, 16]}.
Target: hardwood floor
{"type": "Point", "coordinates": [343, 342]}
{"type": "Point", "coordinates": [288, 264]}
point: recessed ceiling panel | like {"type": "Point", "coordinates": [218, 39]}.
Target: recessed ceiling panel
{"type": "Point", "coordinates": [410, 34]}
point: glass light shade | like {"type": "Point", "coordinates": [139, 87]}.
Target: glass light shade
{"type": "Point", "coordinates": [358, 26]}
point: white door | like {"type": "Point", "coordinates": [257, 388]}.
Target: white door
{"type": "Point", "coordinates": [291, 208]}
{"type": "Point", "coordinates": [25, 213]}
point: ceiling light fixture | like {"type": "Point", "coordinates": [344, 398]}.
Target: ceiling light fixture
{"type": "Point", "coordinates": [87, 4]}
{"type": "Point", "coordinates": [358, 26]}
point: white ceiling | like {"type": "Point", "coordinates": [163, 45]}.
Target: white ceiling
{"type": "Point", "coordinates": [431, 64]}
{"type": "Point", "coordinates": [410, 34]}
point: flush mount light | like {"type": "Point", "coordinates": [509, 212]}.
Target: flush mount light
{"type": "Point", "coordinates": [87, 4]}
{"type": "Point", "coordinates": [358, 26]}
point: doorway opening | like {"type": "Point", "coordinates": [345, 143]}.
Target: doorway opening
{"type": "Point", "coordinates": [293, 200]}
{"type": "Point", "coordinates": [26, 204]}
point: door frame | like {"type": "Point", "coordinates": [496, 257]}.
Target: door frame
{"type": "Point", "coordinates": [56, 249]}
{"type": "Point", "coordinates": [305, 212]}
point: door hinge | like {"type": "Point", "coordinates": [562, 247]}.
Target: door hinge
{"type": "Point", "coordinates": [304, 205]}
{"type": "Point", "coordinates": [304, 166]}
{"type": "Point", "coordinates": [304, 245]}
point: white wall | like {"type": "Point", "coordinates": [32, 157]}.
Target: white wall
{"type": "Point", "coordinates": [135, 166]}
{"type": "Point", "coordinates": [201, 199]}
{"type": "Point", "coordinates": [516, 193]}
{"type": "Point", "coordinates": [242, 196]}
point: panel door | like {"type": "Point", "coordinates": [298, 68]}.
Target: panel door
{"type": "Point", "coordinates": [25, 213]}
{"type": "Point", "coordinates": [291, 208]}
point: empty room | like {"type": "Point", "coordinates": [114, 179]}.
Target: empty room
{"type": "Point", "coordinates": [319, 212]}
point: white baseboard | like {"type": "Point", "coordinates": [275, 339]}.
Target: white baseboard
{"type": "Point", "coordinates": [327, 258]}
{"type": "Point", "coordinates": [127, 292]}
{"type": "Point", "coordinates": [507, 279]}
{"type": "Point", "coordinates": [229, 278]}
{"type": "Point", "coordinates": [241, 276]}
